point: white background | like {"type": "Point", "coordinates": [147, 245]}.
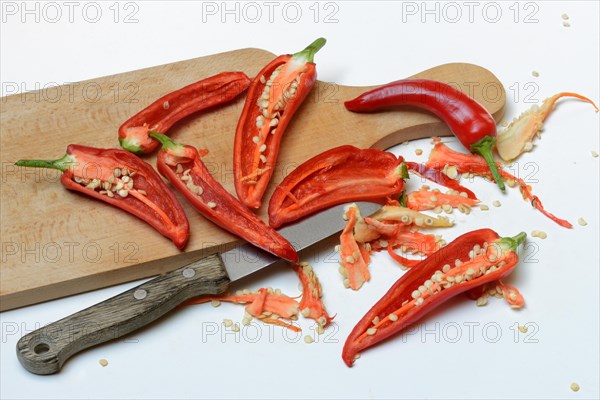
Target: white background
{"type": "Point", "coordinates": [368, 43]}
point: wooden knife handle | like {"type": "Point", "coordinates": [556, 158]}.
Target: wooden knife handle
{"type": "Point", "coordinates": [45, 350]}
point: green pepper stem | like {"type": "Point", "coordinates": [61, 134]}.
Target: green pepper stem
{"type": "Point", "coordinates": [309, 52]}
{"type": "Point", "coordinates": [62, 164]}
{"type": "Point", "coordinates": [129, 146]}
{"type": "Point", "coordinates": [165, 141]}
{"type": "Point", "coordinates": [512, 243]}
{"type": "Point", "coordinates": [484, 147]}
{"type": "Point", "coordinates": [403, 199]}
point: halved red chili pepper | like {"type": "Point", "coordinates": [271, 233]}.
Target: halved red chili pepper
{"type": "Point", "coordinates": [273, 98]}
{"type": "Point", "coordinates": [473, 259]}
{"type": "Point", "coordinates": [336, 176]}
{"type": "Point", "coordinates": [123, 180]}
{"type": "Point", "coordinates": [470, 122]}
{"type": "Point", "coordinates": [161, 115]}
{"type": "Point", "coordinates": [183, 167]}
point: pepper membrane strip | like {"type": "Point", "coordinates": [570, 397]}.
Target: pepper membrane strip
{"type": "Point", "coordinates": [163, 113]}
{"type": "Point", "coordinates": [123, 180]}
{"type": "Point", "coordinates": [311, 304]}
{"type": "Point", "coordinates": [266, 304]}
{"type": "Point", "coordinates": [273, 98]}
{"type": "Point", "coordinates": [183, 167]}
{"type": "Point", "coordinates": [336, 176]}
{"type": "Point", "coordinates": [518, 136]}
{"type": "Point", "coordinates": [436, 175]}
{"type": "Point", "coordinates": [441, 276]}
{"type": "Point", "coordinates": [468, 163]}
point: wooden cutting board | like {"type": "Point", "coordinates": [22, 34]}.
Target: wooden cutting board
{"type": "Point", "coordinates": [57, 243]}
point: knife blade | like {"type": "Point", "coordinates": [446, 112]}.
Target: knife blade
{"type": "Point", "coordinates": [44, 351]}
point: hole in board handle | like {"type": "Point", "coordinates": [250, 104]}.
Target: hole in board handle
{"type": "Point", "coordinates": [41, 348]}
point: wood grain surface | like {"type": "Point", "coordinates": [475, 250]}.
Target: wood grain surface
{"type": "Point", "coordinates": [57, 243]}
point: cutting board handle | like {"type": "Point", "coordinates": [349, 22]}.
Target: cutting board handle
{"type": "Point", "coordinates": [45, 350]}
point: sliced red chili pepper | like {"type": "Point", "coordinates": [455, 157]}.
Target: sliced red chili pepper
{"type": "Point", "coordinates": [162, 114]}
{"type": "Point", "coordinates": [437, 176]}
{"type": "Point", "coordinates": [470, 122]}
{"type": "Point", "coordinates": [266, 304]}
{"type": "Point", "coordinates": [425, 199]}
{"type": "Point", "coordinates": [186, 171]}
{"type": "Point", "coordinates": [311, 305]}
{"type": "Point", "coordinates": [273, 98]}
{"type": "Point", "coordinates": [336, 176]}
{"type": "Point", "coordinates": [473, 259]}
{"type": "Point", "coordinates": [468, 163]}
{"type": "Point", "coordinates": [123, 180]}
{"type": "Point", "coordinates": [355, 257]}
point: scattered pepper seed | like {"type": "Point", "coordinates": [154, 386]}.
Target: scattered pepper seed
{"type": "Point", "coordinates": [215, 303]}
{"type": "Point", "coordinates": [539, 234]}
{"type": "Point", "coordinates": [496, 203]}
{"type": "Point", "coordinates": [582, 221]}
{"type": "Point", "coordinates": [575, 387]}
{"type": "Point", "coordinates": [594, 154]}
{"type": "Point", "coordinates": [227, 323]}
{"type": "Point", "coordinates": [565, 16]}
{"type": "Point", "coordinates": [308, 339]}
{"type": "Point", "coordinates": [452, 172]}
{"type": "Point", "coordinates": [236, 327]}
{"type": "Point", "coordinates": [418, 152]}
{"type": "Point", "coordinates": [566, 24]}
{"type": "Point", "coordinates": [522, 329]}
{"type": "Point", "coordinates": [103, 362]}
{"type": "Point", "coordinates": [482, 301]}
{"type": "Point", "coordinates": [483, 207]}
{"type": "Point", "coordinates": [504, 123]}
{"type": "Point", "coordinates": [535, 73]}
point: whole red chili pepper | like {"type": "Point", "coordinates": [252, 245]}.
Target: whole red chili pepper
{"type": "Point", "coordinates": [161, 115]}
{"type": "Point", "coordinates": [472, 260]}
{"type": "Point", "coordinates": [470, 122]}
{"type": "Point", "coordinates": [273, 98]}
{"type": "Point", "coordinates": [184, 168]}
{"type": "Point", "coordinates": [336, 176]}
{"type": "Point", "coordinates": [123, 180]}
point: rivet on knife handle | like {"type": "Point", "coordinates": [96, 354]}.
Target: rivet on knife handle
{"type": "Point", "coordinates": [45, 350]}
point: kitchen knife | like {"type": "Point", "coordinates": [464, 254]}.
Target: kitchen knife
{"type": "Point", "coordinates": [45, 350]}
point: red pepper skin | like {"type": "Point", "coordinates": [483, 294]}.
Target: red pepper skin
{"type": "Point", "coordinates": [253, 166]}
{"type": "Point", "coordinates": [411, 280]}
{"type": "Point", "coordinates": [161, 115]}
{"type": "Point", "coordinates": [470, 122]}
{"type": "Point", "coordinates": [216, 203]}
{"type": "Point", "coordinates": [160, 207]}
{"type": "Point", "coordinates": [336, 176]}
